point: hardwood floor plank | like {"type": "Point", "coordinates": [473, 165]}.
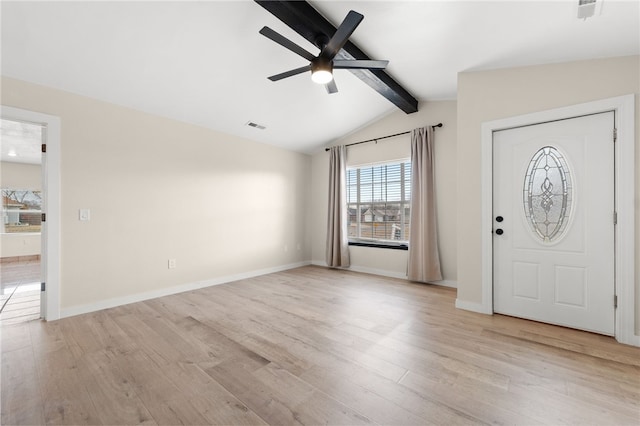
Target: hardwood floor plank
{"type": "Point", "coordinates": [322, 409]}
{"type": "Point", "coordinates": [161, 351]}
{"type": "Point", "coordinates": [310, 335]}
{"type": "Point", "coordinates": [363, 400]}
{"type": "Point", "coordinates": [13, 337]}
{"type": "Point", "coordinates": [163, 400]}
{"type": "Point", "coordinates": [570, 363]}
{"type": "Point", "coordinates": [276, 353]}
{"type": "Point", "coordinates": [257, 396]}
{"type": "Point", "coordinates": [467, 399]}
{"type": "Point", "coordinates": [113, 395]}
{"type": "Point", "coordinates": [78, 335]}
{"type": "Point", "coordinates": [312, 346]}
{"type": "Point", "coordinates": [420, 405]}
{"type": "Point", "coordinates": [20, 388]}
{"type": "Point", "coordinates": [586, 348]}
{"type": "Point", "coordinates": [209, 398]}
{"type": "Point", "coordinates": [509, 357]}
{"type": "Point", "coordinates": [65, 398]}
{"type": "Point", "coordinates": [45, 337]}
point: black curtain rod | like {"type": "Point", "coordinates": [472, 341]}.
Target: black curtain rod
{"type": "Point", "coordinates": [385, 137]}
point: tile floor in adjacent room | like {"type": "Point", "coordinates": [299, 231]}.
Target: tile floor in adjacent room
{"type": "Point", "coordinates": [19, 291]}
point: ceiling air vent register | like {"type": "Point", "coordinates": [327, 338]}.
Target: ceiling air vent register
{"type": "Point", "coordinates": [255, 125]}
{"type": "Point", "coordinates": [587, 8]}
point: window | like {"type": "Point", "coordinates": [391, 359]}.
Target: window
{"type": "Point", "coordinates": [548, 194]}
{"type": "Point", "coordinates": [378, 203]}
{"type": "Point", "coordinates": [21, 211]}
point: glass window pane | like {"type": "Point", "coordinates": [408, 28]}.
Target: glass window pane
{"type": "Point", "coordinates": [21, 210]}
{"type": "Point", "coordinates": [547, 194]}
{"type": "Point", "coordinates": [378, 198]}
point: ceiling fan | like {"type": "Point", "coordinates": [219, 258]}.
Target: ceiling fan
{"type": "Point", "coordinates": [322, 66]}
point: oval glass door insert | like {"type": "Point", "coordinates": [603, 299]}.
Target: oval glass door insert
{"type": "Point", "coordinates": [548, 194]}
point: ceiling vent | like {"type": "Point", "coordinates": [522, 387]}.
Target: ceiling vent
{"type": "Point", "coordinates": [586, 8]}
{"type": "Point", "coordinates": [256, 125]}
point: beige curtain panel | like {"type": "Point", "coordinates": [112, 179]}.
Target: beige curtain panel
{"type": "Point", "coordinates": [337, 233]}
{"type": "Point", "coordinates": [424, 262]}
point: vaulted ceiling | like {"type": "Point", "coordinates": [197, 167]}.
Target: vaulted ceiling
{"type": "Point", "coordinates": [205, 63]}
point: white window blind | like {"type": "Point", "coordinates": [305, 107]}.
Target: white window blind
{"type": "Point", "coordinates": [378, 201]}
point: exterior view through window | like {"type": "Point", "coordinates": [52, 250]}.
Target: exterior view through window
{"type": "Point", "coordinates": [378, 202]}
{"type": "Point", "coordinates": [21, 211]}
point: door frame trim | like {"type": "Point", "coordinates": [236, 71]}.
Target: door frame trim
{"type": "Point", "coordinates": [51, 190]}
{"type": "Point", "coordinates": [624, 107]}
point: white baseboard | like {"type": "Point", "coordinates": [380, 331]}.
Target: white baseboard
{"type": "Point", "coordinates": [446, 283]}
{"type": "Point", "coordinates": [628, 339]}
{"type": "Point", "coordinates": [381, 272]}
{"type": "Point", "coordinates": [385, 273]}
{"type": "Point", "coordinates": [365, 270]}
{"type": "Point", "coordinates": [139, 297]}
{"type": "Point", "coordinates": [472, 306]}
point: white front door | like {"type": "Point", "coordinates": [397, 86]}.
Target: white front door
{"type": "Point", "coordinates": [553, 222]}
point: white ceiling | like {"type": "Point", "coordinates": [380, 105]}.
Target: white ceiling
{"type": "Point", "coordinates": [21, 142]}
{"type": "Point", "coordinates": [205, 63]}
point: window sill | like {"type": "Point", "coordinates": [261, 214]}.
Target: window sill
{"type": "Point", "coordinates": [379, 245]}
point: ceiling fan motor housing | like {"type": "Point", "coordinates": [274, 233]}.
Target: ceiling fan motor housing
{"type": "Point", "coordinates": [321, 64]}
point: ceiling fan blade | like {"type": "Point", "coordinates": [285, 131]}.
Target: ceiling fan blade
{"type": "Point", "coordinates": [285, 42]}
{"type": "Point", "coordinates": [331, 87]}
{"type": "Point", "coordinates": [342, 34]}
{"type": "Point", "coordinates": [360, 64]}
{"type": "Point", "coordinates": [290, 73]}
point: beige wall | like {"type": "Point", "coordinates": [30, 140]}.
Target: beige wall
{"type": "Point", "coordinates": [20, 176]}
{"type": "Point", "coordinates": [491, 95]}
{"type": "Point", "coordinates": [161, 189]}
{"type": "Point", "coordinates": [27, 244]}
{"type": "Point", "coordinates": [385, 261]}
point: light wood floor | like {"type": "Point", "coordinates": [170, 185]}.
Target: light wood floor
{"type": "Point", "coordinates": [313, 346]}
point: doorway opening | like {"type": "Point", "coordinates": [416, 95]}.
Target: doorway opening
{"type": "Point", "coordinates": [21, 225]}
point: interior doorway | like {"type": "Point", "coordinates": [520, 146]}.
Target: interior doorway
{"type": "Point", "coordinates": [50, 254]}
{"type": "Point", "coordinates": [21, 225]}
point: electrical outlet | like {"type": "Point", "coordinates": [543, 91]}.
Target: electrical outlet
{"type": "Point", "coordinates": [84, 215]}
{"type": "Point", "coordinates": [172, 264]}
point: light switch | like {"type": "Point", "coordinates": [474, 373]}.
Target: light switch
{"type": "Point", "coordinates": [85, 215]}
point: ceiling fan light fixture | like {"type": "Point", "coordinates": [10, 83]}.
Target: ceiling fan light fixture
{"type": "Point", "coordinates": [321, 76]}
{"type": "Point", "coordinates": [321, 71]}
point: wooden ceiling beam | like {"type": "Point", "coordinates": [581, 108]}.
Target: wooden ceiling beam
{"type": "Point", "coordinates": [301, 17]}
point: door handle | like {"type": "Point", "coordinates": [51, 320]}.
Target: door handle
{"type": "Point", "coordinates": [499, 231]}
{"type": "Point", "coordinates": [499, 219]}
